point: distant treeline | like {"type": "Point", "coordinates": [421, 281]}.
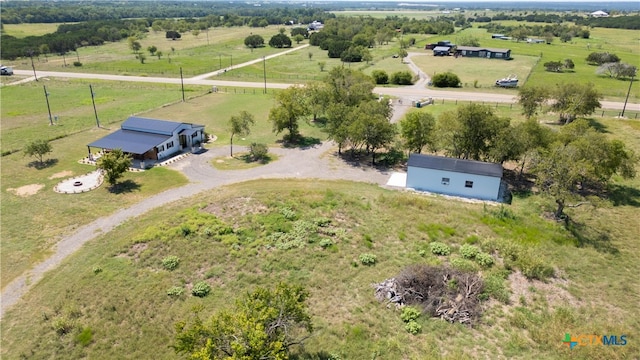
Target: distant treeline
{"type": "Point", "coordinates": [631, 22]}
{"type": "Point", "coordinates": [69, 37]}
{"type": "Point", "coordinates": [90, 32]}
{"type": "Point", "coordinates": [17, 12]}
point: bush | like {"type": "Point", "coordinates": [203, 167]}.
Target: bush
{"type": "Point", "coordinates": [439, 248]}
{"type": "Point", "coordinates": [77, 63]}
{"type": "Point", "coordinates": [380, 77]}
{"type": "Point", "coordinates": [201, 289]}
{"type": "Point", "coordinates": [494, 286]}
{"type": "Point", "coordinates": [401, 78]}
{"type": "Point", "coordinates": [533, 267]}
{"type": "Point", "coordinates": [62, 326]}
{"type": "Point", "coordinates": [85, 337]}
{"type": "Point", "coordinates": [413, 327]}
{"type": "Point", "coordinates": [367, 259]}
{"type": "Point", "coordinates": [258, 152]}
{"type": "Point", "coordinates": [175, 291]}
{"type": "Point", "coordinates": [446, 79]}
{"type": "Point", "coordinates": [484, 259]}
{"type": "Point", "coordinates": [469, 251]}
{"type": "Point", "coordinates": [170, 262]}
{"type": "Point", "coordinates": [325, 243]}
{"type": "Point", "coordinates": [463, 265]}
{"type": "Point", "coordinates": [409, 313]}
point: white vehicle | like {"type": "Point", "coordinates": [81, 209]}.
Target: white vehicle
{"type": "Point", "coordinates": [5, 70]}
{"type": "Point", "coordinates": [509, 81]}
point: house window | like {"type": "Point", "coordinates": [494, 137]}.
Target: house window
{"type": "Point", "coordinates": [498, 55]}
{"type": "Point", "coordinates": [169, 145]}
{"type": "Point", "coordinates": [160, 148]}
{"type": "Point", "coordinates": [445, 181]}
{"type": "Point", "coordinates": [468, 184]}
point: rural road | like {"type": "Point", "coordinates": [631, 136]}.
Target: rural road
{"type": "Point", "coordinates": [314, 162]}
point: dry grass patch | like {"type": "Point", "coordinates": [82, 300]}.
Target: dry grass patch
{"type": "Point", "coordinates": [61, 174]}
{"type": "Point", "coordinates": [27, 190]}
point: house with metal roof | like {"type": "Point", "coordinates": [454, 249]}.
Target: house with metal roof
{"type": "Point", "coordinates": [489, 53]}
{"type": "Point", "coordinates": [452, 176]}
{"type": "Point", "coordinates": [151, 139]}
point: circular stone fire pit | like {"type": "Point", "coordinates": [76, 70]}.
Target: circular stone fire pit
{"type": "Point", "coordinates": [77, 183]}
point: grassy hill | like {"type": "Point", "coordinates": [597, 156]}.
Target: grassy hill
{"type": "Point", "coordinates": [110, 299]}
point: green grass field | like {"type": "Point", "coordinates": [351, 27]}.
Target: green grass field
{"type": "Point", "coordinates": [529, 61]}
{"type": "Point", "coordinates": [125, 301]}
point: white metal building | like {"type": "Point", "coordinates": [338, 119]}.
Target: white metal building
{"type": "Point", "coordinates": [451, 176]}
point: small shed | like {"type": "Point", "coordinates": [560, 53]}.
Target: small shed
{"type": "Point", "coordinates": [452, 176]}
{"type": "Point", "coordinates": [489, 53]}
{"type": "Point", "coordinates": [441, 51]}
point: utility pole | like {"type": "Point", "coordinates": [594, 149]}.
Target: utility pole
{"type": "Point", "coordinates": [627, 98]}
{"type": "Point", "coordinates": [33, 65]}
{"type": "Point", "coordinates": [182, 82]}
{"type": "Point", "coordinates": [46, 96]}
{"type": "Point", "coordinates": [264, 71]}
{"type": "Point", "coordinates": [94, 105]}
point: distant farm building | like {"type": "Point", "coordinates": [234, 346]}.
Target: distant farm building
{"type": "Point", "coordinates": [599, 13]}
{"type": "Point", "coordinates": [489, 53]}
{"type": "Point", "coordinates": [441, 48]}
{"type": "Point", "coordinates": [458, 177]}
{"type": "Point", "coordinates": [150, 139]}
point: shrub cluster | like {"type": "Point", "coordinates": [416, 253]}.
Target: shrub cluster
{"type": "Point", "coordinates": [201, 289]}
{"type": "Point", "coordinates": [409, 315]}
{"type": "Point", "coordinates": [367, 259]}
{"type": "Point", "coordinates": [446, 79]}
{"type": "Point", "coordinates": [170, 262]}
{"type": "Point", "coordinates": [439, 248]}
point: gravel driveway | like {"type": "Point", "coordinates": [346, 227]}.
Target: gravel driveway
{"type": "Point", "coordinates": [317, 162]}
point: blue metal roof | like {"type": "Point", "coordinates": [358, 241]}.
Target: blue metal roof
{"type": "Point", "coordinates": [455, 165]}
{"type": "Point", "coordinates": [133, 142]}
{"type": "Point", "coordinates": [153, 126]}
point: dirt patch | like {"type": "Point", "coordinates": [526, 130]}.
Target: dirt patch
{"type": "Point", "coordinates": [61, 174]}
{"type": "Point", "coordinates": [27, 190]}
{"type": "Point", "coordinates": [134, 251]}
{"type": "Point", "coordinates": [236, 207]}
{"type": "Point", "coordinates": [554, 291]}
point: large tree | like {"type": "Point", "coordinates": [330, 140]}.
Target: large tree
{"type": "Point", "coordinates": [531, 98]}
{"type": "Point", "coordinates": [114, 164]}
{"type": "Point", "coordinates": [348, 86]}
{"type": "Point", "coordinates": [470, 131]}
{"type": "Point", "coordinates": [572, 100]}
{"type": "Point", "coordinates": [417, 130]}
{"type": "Point", "coordinates": [280, 41]}
{"type": "Point", "coordinates": [263, 324]}
{"type": "Point", "coordinates": [581, 162]}
{"type": "Point", "coordinates": [289, 109]}
{"type": "Point", "coordinates": [254, 41]}
{"type": "Point", "coordinates": [370, 126]}
{"type": "Point", "coordinates": [240, 125]}
{"type": "Point", "coordinates": [38, 149]}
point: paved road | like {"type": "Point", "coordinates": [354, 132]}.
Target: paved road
{"type": "Point", "coordinates": [316, 162]}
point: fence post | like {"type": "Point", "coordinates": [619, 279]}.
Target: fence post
{"type": "Point", "coordinates": [602, 114]}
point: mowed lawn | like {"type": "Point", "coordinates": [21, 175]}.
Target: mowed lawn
{"type": "Point", "coordinates": [528, 61]}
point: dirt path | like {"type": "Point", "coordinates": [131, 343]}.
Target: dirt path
{"type": "Point", "coordinates": [316, 162]}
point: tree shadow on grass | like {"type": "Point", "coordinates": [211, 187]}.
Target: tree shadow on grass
{"type": "Point", "coordinates": [621, 195]}
{"type": "Point", "coordinates": [42, 165]}
{"type": "Point", "coordinates": [301, 142]}
{"type": "Point", "coordinates": [521, 186]}
{"type": "Point", "coordinates": [589, 237]}
{"type": "Point", "coordinates": [248, 159]}
{"type": "Point", "coordinates": [124, 187]}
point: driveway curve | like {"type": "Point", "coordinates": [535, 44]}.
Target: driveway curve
{"type": "Point", "coordinates": [317, 162]}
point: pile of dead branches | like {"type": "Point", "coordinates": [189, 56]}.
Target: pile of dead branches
{"type": "Point", "coordinates": [440, 291]}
